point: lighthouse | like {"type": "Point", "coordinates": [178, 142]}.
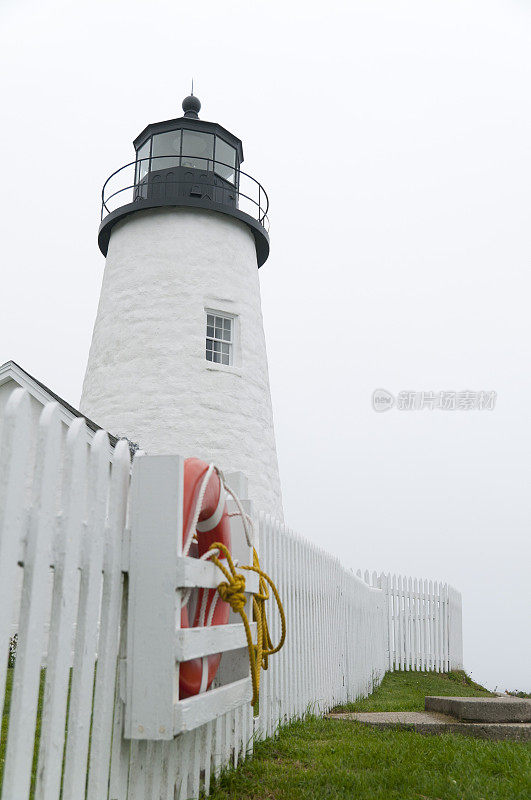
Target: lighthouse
{"type": "Point", "coordinates": [178, 361]}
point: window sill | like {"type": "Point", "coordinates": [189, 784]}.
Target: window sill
{"type": "Point", "coordinates": [223, 368]}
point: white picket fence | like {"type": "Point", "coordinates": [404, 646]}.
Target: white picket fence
{"type": "Point", "coordinates": [424, 623]}
{"type": "Point", "coordinates": [336, 648]}
{"type": "Point", "coordinates": [112, 724]}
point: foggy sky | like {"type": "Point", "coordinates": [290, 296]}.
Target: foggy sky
{"type": "Point", "coordinates": [394, 141]}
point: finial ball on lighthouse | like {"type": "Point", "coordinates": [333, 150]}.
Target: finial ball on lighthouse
{"type": "Point", "coordinates": [191, 106]}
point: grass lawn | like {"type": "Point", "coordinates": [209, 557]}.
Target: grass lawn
{"type": "Point", "coordinates": [5, 721]}
{"type": "Point", "coordinates": [336, 760]}
{"type": "Point", "coordinates": [405, 691]}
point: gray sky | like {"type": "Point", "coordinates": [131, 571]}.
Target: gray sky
{"type": "Point", "coordinates": [394, 140]}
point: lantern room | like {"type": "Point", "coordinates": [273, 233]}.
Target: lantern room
{"type": "Point", "coordinates": [187, 162]}
{"type": "Point", "coordinates": [187, 143]}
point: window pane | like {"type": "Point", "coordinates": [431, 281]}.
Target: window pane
{"type": "Point", "coordinates": [143, 166]}
{"type": "Point", "coordinates": [219, 339]}
{"type": "Point", "coordinates": [166, 144]}
{"type": "Point", "coordinates": [227, 156]}
{"type": "Point", "coordinates": [198, 149]}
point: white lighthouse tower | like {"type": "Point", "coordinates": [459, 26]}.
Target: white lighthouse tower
{"type": "Point", "coordinates": [178, 358]}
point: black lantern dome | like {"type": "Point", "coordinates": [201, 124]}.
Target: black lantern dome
{"type": "Point", "coordinates": [187, 162]}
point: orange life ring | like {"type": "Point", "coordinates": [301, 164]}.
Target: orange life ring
{"type": "Point", "coordinates": [213, 525]}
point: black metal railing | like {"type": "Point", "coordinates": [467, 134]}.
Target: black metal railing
{"type": "Point", "coordinates": [240, 191]}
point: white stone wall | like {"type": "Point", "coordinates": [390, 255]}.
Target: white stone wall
{"type": "Point", "coordinates": [147, 376]}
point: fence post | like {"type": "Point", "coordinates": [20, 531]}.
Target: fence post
{"type": "Point", "coordinates": [156, 542]}
{"type": "Point", "coordinates": [455, 629]}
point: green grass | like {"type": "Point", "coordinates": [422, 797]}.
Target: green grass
{"type": "Point", "coordinates": [336, 760]}
{"type": "Point", "coordinates": [405, 691]}
{"type": "Point", "coordinates": [5, 721]}
{"type": "Point", "coordinates": [339, 760]}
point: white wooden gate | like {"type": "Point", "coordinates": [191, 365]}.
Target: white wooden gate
{"type": "Point", "coordinates": [112, 725]}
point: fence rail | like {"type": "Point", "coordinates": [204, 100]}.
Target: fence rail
{"type": "Point", "coordinates": [70, 530]}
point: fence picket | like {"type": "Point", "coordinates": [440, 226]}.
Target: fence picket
{"type": "Point", "coordinates": [75, 767]}
{"type": "Point", "coordinates": [407, 623]}
{"type": "Point", "coordinates": [156, 771]}
{"type": "Point", "coordinates": [137, 774]}
{"type": "Point", "coordinates": [307, 631]}
{"type": "Point", "coordinates": [184, 758]}
{"type": "Point", "coordinates": [436, 609]}
{"type": "Point", "coordinates": [294, 666]}
{"type": "Point", "coordinates": [170, 780]}
{"type": "Point", "coordinates": [196, 763]}
{"type": "Point", "coordinates": [15, 456]}
{"type": "Point", "coordinates": [217, 748]}
{"type": "Point", "coordinates": [415, 626]}
{"type": "Point", "coordinates": [421, 624]}
{"type": "Point", "coordinates": [433, 658]}
{"type": "Point", "coordinates": [394, 589]}
{"type": "Point", "coordinates": [441, 626]}
{"type": "Point", "coordinates": [426, 624]}
{"type": "Point", "coordinates": [64, 607]}
{"type": "Point", "coordinates": [208, 756]}
{"type": "Point", "coordinates": [100, 747]}
{"type": "Point", "coordinates": [121, 747]}
{"type": "Point", "coordinates": [401, 622]}
{"type": "Point", "coordinates": [446, 629]}
{"type": "Point", "coordinates": [25, 688]}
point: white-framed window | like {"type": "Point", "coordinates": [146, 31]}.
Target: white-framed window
{"type": "Point", "coordinates": [219, 338]}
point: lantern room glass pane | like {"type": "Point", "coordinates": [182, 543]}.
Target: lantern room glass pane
{"type": "Point", "coordinates": [143, 165]}
{"type": "Point", "coordinates": [168, 145]}
{"type": "Point", "coordinates": [227, 156]}
{"type": "Point", "coordinates": [198, 149]}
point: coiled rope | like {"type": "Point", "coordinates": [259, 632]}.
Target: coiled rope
{"type": "Point", "coordinates": [232, 591]}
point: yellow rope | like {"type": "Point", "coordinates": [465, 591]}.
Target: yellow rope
{"type": "Point", "coordinates": [232, 592]}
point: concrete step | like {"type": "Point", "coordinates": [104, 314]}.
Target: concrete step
{"type": "Point", "coordinates": [482, 709]}
{"type": "Point", "coordinates": [433, 722]}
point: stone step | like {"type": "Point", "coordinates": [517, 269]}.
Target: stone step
{"type": "Point", "coordinates": [482, 709]}
{"type": "Point", "coordinates": [433, 722]}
